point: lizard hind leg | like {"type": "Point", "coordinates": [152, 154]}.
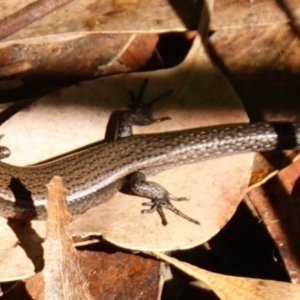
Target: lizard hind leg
{"type": "Point", "coordinates": [159, 197]}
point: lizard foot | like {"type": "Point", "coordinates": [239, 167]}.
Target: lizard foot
{"type": "Point", "coordinates": [159, 197]}
{"type": "Point", "coordinates": [139, 113]}
{"type": "Point", "coordinates": [159, 204]}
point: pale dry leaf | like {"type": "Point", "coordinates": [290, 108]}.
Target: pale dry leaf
{"type": "Point", "coordinates": [214, 187]}
{"type": "Point", "coordinates": [78, 116]}
{"type": "Point", "coordinates": [237, 288]}
{"type": "Point", "coordinates": [62, 274]}
{"type": "Point", "coordinates": [12, 256]}
{"type": "Point", "coordinates": [201, 97]}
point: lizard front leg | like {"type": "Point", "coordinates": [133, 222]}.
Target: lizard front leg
{"type": "Point", "coordinates": [140, 114]}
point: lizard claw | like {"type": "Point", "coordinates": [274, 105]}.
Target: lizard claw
{"type": "Point", "coordinates": [141, 112]}
{"type": "Point", "coordinates": [159, 204]}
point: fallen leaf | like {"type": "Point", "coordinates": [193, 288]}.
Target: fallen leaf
{"type": "Point", "coordinates": [87, 16]}
{"type": "Point", "coordinates": [21, 250]}
{"type": "Point", "coordinates": [277, 204]}
{"type": "Point", "coordinates": [258, 58]}
{"type": "Point", "coordinates": [111, 273]}
{"type": "Point", "coordinates": [241, 288]}
{"type": "Point", "coordinates": [32, 55]}
{"type": "Point", "coordinates": [108, 272]}
{"type": "Point", "coordinates": [201, 97]}
{"type": "Point", "coordinates": [62, 274]}
{"type": "Point", "coordinates": [267, 165]}
{"type": "Point", "coordinates": [228, 14]}
{"type": "Point", "coordinates": [49, 43]}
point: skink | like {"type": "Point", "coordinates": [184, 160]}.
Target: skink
{"type": "Point", "coordinates": [93, 175]}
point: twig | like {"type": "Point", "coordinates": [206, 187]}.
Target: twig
{"type": "Point", "coordinates": [28, 15]}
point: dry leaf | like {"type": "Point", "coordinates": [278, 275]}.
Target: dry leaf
{"type": "Point", "coordinates": [267, 165]}
{"type": "Point", "coordinates": [54, 43]}
{"type": "Point", "coordinates": [248, 52]}
{"type": "Point", "coordinates": [277, 203]}
{"type": "Point", "coordinates": [108, 272]}
{"type": "Point", "coordinates": [111, 274]}
{"type": "Point", "coordinates": [201, 97]}
{"type": "Point", "coordinates": [128, 235]}
{"type": "Point", "coordinates": [209, 202]}
{"type": "Point", "coordinates": [62, 274]}
{"type": "Point", "coordinates": [243, 42]}
{"type": "Point", "coordinates": [228, 14]}
{"type": "Point", "coordinates": [47, 56]}
{"type": "Point", "coordinates": [21, 250]}
{"type": "Point", "coordinates": [237, 288]}
{"type": "Point", "coordinates": [104, 16]}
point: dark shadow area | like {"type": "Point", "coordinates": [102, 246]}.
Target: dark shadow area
{"type": "Point", "coordinates": [28, 238]}
{"type": "Point", "coordinates": [295, 203]}
{"type": "Point", "coordinates": [13, 109]}
{"type": "Point", "coordinates": [285, 207]}
{"type": "Point", "coordinates": [103, 246]}
{"type": "Point", "coordinates": [262, 97]}
{"type": "Point", "coordinates": [34, 87]}
{"type": "Point", "coordinates": [30, 241]}
{"type": "Point", "coordinates": [188, 11]}
{"type": "Point", "coordinates": [14, 291]}
{"type": "Point", "coordinates": [110, 133]}
{"type": "Point", "coordinates": [171, 50]}
{"type": "Point", "coordinates": [23, 198]}
{"type": "Point", "coordinates": [183, 287]}
{"type": "Point", "coordinates": [242, 248]}
{"type": "Point", "coordinates": [290, 15]}
{"type": "Point", "coordinates": [20, 191]}
{"type": "Point", "coordinates": [246, 249]}
{"type": "Point", "coordinates": [107, 247]}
